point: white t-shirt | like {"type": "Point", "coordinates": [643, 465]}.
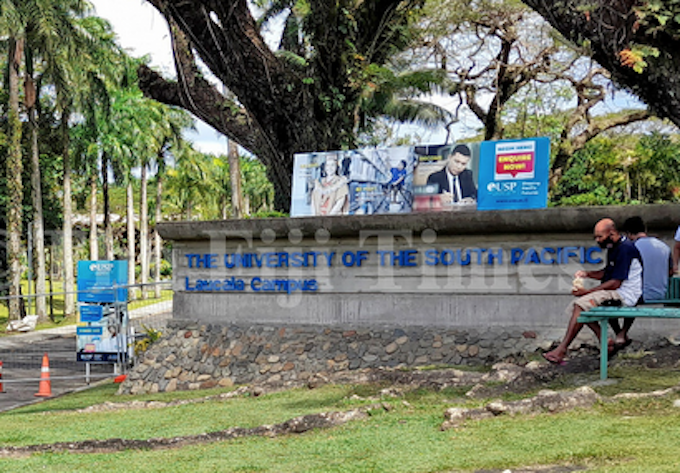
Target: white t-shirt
{"type": "Point", "coordinates": [631, 288]}
{"type": "Point", "coordinates": [677, 234]}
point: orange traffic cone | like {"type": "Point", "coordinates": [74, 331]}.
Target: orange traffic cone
{"type": "Point", "coordinates": [45, 389]}
{"type": "Point", "coordinates": [120, 378]}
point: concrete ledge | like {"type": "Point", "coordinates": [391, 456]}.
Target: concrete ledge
{"type": "Point", "coordinates": [660, 217]}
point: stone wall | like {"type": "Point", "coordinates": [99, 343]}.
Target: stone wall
{"type": "Point", "coordinates": [381, 301]}
{"type": "Point", "coordinates": [194, 356]}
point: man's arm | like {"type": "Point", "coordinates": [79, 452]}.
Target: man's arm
{"type": "Point", "coordinates": [435, 178]}
{"type": "Point", "coordinates": [610, 285]}
{"type": "Point", "coordinates": [469, 189]}
{"type": "Point", "coordinates": [676, 256]}
{"type": "Point", "coordinates": [599, 274]}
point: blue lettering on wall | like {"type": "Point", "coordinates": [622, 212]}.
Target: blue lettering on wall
{"type": "Point", "coordinates": [408, 258]}
{"type": "Point", "coordinates": [589, 255]}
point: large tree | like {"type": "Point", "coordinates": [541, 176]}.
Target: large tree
{"type": "Point", "coordinates": [303, 99]}
{"type": "Point", "coordinates": [637, 41]}
{"type": "Point", "coordinates": [507, 66]}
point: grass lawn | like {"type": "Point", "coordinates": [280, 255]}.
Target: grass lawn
{"type": "Point", "coordinates": [619, 436]}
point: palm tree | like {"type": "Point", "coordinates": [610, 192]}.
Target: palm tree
{"type": "Point", "coordinates": [235, 179]}
{"type": "Point", "coordinates": [122, 143]}
{"type": "Point", "coordinates": [96, 61]}
{"type": "Point", "coordinates": [167, 128]}
{"type": "Point", "coordinates": [50, 37]}
{"type": "Point", "coordinates": [14, 170]}
{"type": "Point", "coordinates": [188, 181]}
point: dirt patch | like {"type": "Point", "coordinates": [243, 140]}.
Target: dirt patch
{"type": "Point", "coordinates": [296, 425]}
{"type": "Point", "coordinates": [539, 469]}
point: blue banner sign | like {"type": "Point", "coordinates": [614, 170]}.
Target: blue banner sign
{"type": "Point", "coordinates": [513, 174]}
{"type": "Point", "coordinates": [91, 313]}
{"type": "Point", "coordinates": [89, 331]}
{"type": "Point", "coordinates": [97, 280]}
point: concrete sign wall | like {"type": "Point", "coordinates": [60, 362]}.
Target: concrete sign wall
{"type": "Point", "coordinates": [469, 269]}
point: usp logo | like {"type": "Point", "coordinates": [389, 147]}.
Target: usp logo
{"type": "Point", "coordinates": [501, 187]}
{"type": "Point", "coordinates": [101, 267]}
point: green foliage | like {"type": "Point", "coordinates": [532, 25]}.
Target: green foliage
{"type": "Point", "coordinates": [268, 214]}
{"type": "Point", "coordinates": [619, 436]}
{"type": "Point", "coordinates": [166, 268]}
{"type": "Point", "coordinates": [594, 177]}
{"type": "Point", "coordinates": [618, 170]}
{"type": "Point", "coordinates": [660, 17]}
{"type": "Point", "coordinates": [657, 168]}
{"type": "Point", "coordinates": [256, 186]}
{"type": "Point", "coordinates": [151, 335]}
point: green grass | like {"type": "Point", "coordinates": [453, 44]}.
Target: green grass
{"type": "Point", "coordinates": [624, 436]}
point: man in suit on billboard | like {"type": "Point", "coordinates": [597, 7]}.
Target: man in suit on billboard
{"type": "Point", "coordinates": [455, 181]}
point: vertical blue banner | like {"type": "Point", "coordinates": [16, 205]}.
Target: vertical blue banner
{"type": "Point", "coordinates": [513, 174]}
{"type": "Point", "coordinates": [97, 279]}
{"type": "Point", "coordinates": [103, 285]}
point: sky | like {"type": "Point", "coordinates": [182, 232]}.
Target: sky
{"type": "Point", "coordinates": [141, 30]}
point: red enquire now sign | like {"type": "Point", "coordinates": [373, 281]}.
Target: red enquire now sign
{"type": "Point", "coordinates": [515, 160]}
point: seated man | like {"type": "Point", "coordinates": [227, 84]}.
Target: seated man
{"type": "Point", "coordinates": [657, 265]}
{"type": "Point", "coordinates": [621, 280]}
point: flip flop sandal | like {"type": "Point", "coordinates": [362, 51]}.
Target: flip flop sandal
{"type": "Point", "coordinates": [553, 361]}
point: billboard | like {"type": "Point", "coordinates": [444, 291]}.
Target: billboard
{"type": "Point", "coordinates": [514, 174]}
{"type": "Point", "coordinates": [446, 177]}
{"type": "Point", "coordinates": [102, 333]}
{"type": "Point", "coordinates": [97, 280]}
{"type": "Point", "coordinates": [355, 182]}
{"type": "Point", "coordinates": [489, 175]}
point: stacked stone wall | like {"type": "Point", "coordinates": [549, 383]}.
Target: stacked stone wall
{"type": "Point", "coordinates": [200, 356]}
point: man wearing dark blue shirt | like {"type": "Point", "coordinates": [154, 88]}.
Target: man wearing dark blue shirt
{"type": "Point", "coordinates": [621, 280]}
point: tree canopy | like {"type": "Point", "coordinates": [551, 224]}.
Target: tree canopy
{"type": "Point", "coordinates": [307, 96]}
{"type": "Point", "coordinates": [637, 41]}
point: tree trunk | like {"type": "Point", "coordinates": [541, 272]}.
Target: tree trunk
{"type": "Point", "coordinates": [143, 230]}
{"type": "Point", "coordinates": [94, 243]}
{"type": "Point", "coordinates": [158, 242]}
{"type": "Point", "coordinates": [36, 196]}
{"type": "Point", "coordinates": [14, 185]}
{"type": "Point", "coordinates": [235, 179]}
{"type": "Point", "coordinates": [276, 121]}
{"type": "Point", "coordinates": [131, 238]}
{"type": "Point", "coordinates": [108, 230]}
{"type": "Point", "coordinates": [69, 280]}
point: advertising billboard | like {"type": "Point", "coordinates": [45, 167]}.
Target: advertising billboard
{"type": "Point", "coordinates": [513, 174]}
{"type": "Point", "coordinates": [489, 175]}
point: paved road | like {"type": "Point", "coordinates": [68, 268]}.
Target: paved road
{"type": "Point", "coordinates": [21, 355]}
{"type": "Point", "coordinates": [22, 361]}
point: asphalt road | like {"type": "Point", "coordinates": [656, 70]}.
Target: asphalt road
{"type": "Point", "coordinates": [22, 354]}
{"type": "Point", "coordinates": [22, 361]}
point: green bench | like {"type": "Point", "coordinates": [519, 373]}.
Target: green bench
{"type": "Point", "coordinates": [666, 308]}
